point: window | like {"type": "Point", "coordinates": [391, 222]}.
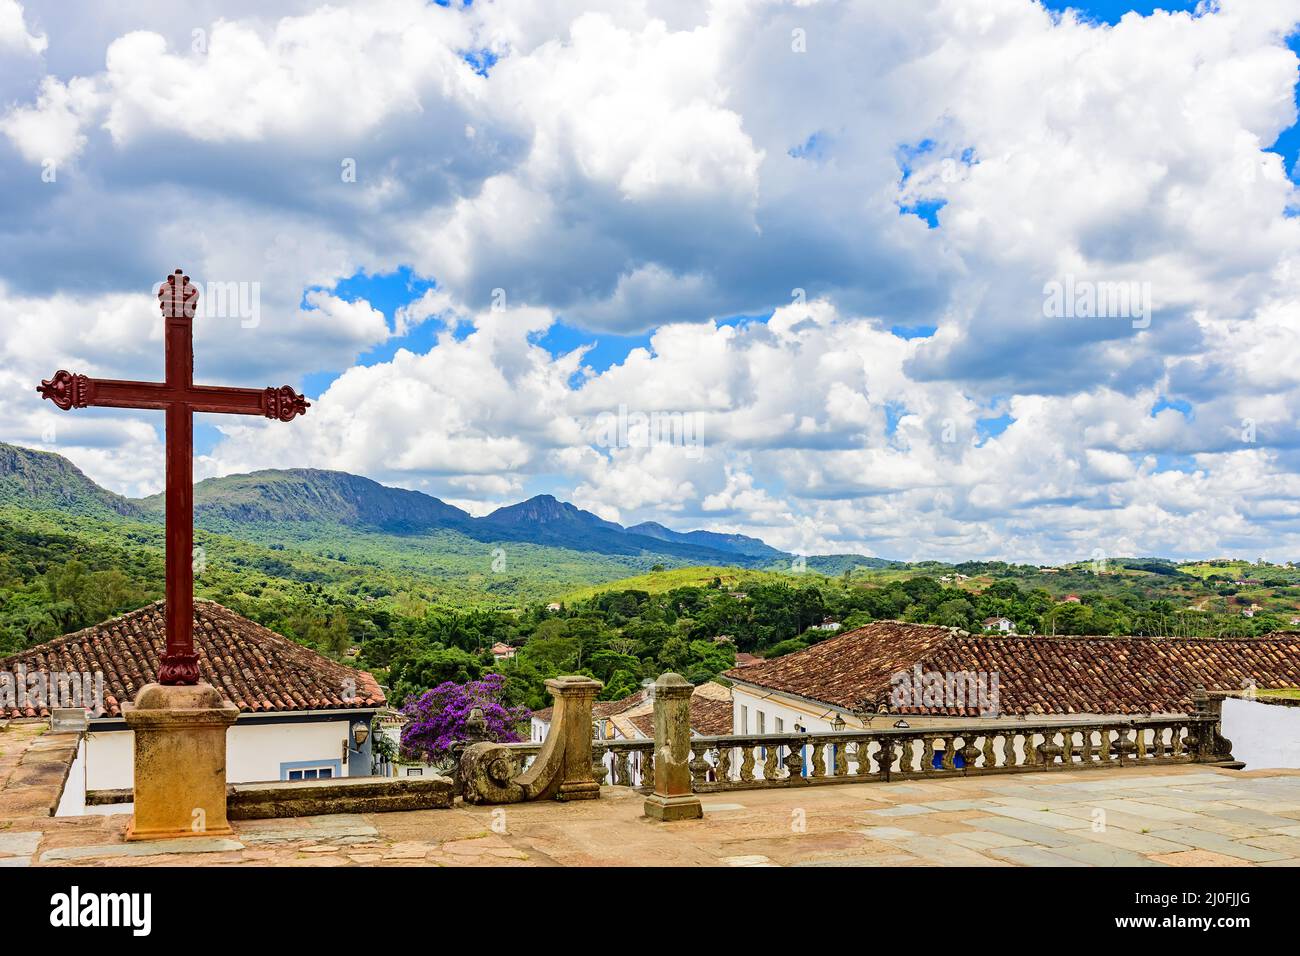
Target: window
{"type": "Point", "coordinates": [311, 770]}
{"type": "Point", "coordinates": [762, 721]}
{"type": "Point", "coordinates": [312, 773]}
{"type": "Point", "coordinates": [744, 719]}
{"type": "Point", "coordinates": [780, 725]}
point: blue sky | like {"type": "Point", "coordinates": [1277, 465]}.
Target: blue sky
{"type": "Point", "coordinates": [829, 261]}
{"type": "Point", "coordinates": [388, 292]}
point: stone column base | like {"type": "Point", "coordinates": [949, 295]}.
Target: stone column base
{"type": "Point", "coordinates": [180, 761]}
{"type": "Point", "coordinates": [668, 809]}
{"type": "Point", "coordinates": [578, 790]}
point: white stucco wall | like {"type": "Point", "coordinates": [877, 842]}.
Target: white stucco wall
{"type": "Point", "coordinates": [813, 718]}
{"type": "Point", "coordinates": [72, 802]}
{"type": "Point", "coordinates": [1262, 735]}
{"type": "Point", "coordinates": [254, 751]}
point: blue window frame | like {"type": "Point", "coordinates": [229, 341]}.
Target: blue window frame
{"type": "Point", "coordinates": [311, 769]}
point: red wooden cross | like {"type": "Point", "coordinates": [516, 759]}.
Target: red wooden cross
{"type": "Point", "coordinates": [180, 398]}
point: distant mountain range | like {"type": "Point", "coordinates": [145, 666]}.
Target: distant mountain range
{"type": "Point", "coordinates": [305, 498]}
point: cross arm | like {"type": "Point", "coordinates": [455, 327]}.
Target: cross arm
{"type": "Point", "coordinates": [68, 390]}
{"type": "Point", "coordinates": [282, 403]}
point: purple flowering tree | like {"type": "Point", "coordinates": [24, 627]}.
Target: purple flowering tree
{"type": "Point", "coordinates": [437, 718]}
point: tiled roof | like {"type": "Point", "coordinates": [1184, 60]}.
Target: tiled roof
{"type": "Point", "coordinates": [600, 709]}
{"type": "Point", "coordinates": [1035, 675]}
{"type": "Point", "coordinates": [710, 712]}
{"type": "Point", "coordinates": [253, 667]}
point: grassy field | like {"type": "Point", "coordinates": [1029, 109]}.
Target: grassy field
{"type": "Point", "coordinates": [657, 582]}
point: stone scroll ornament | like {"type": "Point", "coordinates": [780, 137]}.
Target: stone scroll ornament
{"type": "Point", "coordinates": [562, 771]}
{"type": "Point", "coordinates": [179, 398]}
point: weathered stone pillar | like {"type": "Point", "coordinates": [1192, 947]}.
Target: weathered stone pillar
{"type": "Point", "coordinates": [475, 732]}
{"type": "Point", "coordinates": [1212, 746]}
{"type": "Point", "coordinates": [180, 761]}
{"type": "Point", "coordinates": [672, 798]}
{"type": "Point", "coordinates": [574, 697]}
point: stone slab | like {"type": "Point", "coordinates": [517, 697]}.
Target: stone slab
{"type": "Point", "coordinates": [142, 848]}
{"type": "Point", "coordinates": [1033, 856]}
{"type": "Point", "coordinates": [1216, 843]}
{"type": "Point", "coordinates": [1041, 818]}
{"type": "Point", "coordinates": [1030, 832]}
{"type": "Point", "coordinates": [1097, 854]}
{"type": "Point", "coordinates": [19, 844]}
{"type": "Point", "coordinates": [985, 840]}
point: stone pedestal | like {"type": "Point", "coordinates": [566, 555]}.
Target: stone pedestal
{"type": "Point", "coordinates": [574, 697]}
{"type": "Point", "coordinates": [561, 771]}
{"type": "Point", "coordinates": [673, 798]}
{"type": "Point", "coordinates": [180, 761]}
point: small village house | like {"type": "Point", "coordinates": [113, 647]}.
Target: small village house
{"type": "Point", "coordinates": [871, 677]}
{"type": "Point", "coordinates": [302, 716]}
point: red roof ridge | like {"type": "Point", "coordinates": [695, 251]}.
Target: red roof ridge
{"type": "Point", "coordinates": [252, 666]}
{"type": "Point", "coordinates": [1036, 675]}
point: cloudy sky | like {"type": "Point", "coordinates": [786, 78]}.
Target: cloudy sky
{"type": "Point", "coordinates": [821, 247]}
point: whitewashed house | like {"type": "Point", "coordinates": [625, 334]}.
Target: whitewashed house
{"type": "Point", "coordinates": [873, 677]}
{"type": "Point", "coordinates": [302, 716]}
{"type": "Point", "coordinates": [1003, 625]}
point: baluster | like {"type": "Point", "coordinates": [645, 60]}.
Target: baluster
{"type": "Point", "coordinates": [1086, 756]}
{"type": "Point", "coordinates": [622, 777]}
{"type": "Point", "coordinates": [770, 763]}
{"type": "Point", "coordinates": [794, 763]}
{"type": "Point", "coordinates": [1105, 745]}
{"type": "Point", "coordinates": [906, 755]}
{"type": "Point", "coordinates": [648, 768]}
{"type": "Point", "coordinates": [990, 761]}
{"type": "Point", "coordinates": [969, 753]}
{"type": "Point", "coordinates": [698, 765]}
{"type": "Point", "coordinates": [747, 763]}
{"type": "Point", "coordinates": [1176, 741]}
{"type": "Point", "coordinates": [841, 759]}
{"type": "Point", "coordinates": [818, 762]}
{"type": "Point", "coordinates": [1123, 746]}
{"type": "Point", "coordinates": [724, 764]}
{"type": "Point", "coordinates": [1067, 746]}
{"type": "Point", "coordinates": [885, 757]}
{"type": "Point", "coordinates": [927, 754]}
{"type": "Point", "coordinates": [1140, 739]}
{"type": "Point", "coordinates": [1008, 750]}
{"type": "Point", "coordinates": [598, 768]}
{"type": "Point", "coordinates": [947, 761]}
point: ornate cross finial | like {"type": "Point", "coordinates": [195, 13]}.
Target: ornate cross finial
{"type": "Point", "coordinates": [66, 390]}
{"type": "Point", "coordinates": [177, 298]}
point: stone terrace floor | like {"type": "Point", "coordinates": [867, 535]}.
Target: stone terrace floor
{"type": "Point", "coordinates": [1172, 816]}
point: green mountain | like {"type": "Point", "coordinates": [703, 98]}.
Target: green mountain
{"type": "Point", "coordinates": [307, 495]}
{"type": "Point", "coordinates": [44, 481]}
{"type": "Point", "coordinates": [382, 540]}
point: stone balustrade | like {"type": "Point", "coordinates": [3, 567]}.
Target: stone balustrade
{"type": "Point", "coordinates": [748, 761]}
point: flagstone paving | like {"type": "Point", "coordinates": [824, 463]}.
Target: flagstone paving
{"type": "Point", "coordinates": [1175, 816]}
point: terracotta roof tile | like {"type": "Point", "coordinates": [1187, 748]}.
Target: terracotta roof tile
{"type": "Point", "coordinates": [1036, 675]}
{"type": "Point", "coordinates": [600, 709]}
{"type": "Point", "coordinates": [255, 668]}
{"type": "Point", "coordinates": [711, 712]}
